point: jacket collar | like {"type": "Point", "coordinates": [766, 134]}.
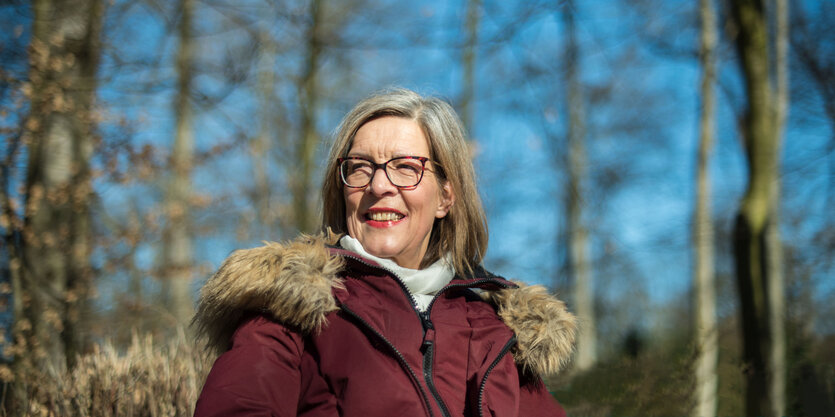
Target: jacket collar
{"type": "Point", "coordinates": [293, 284]}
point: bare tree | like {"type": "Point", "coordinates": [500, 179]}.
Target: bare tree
{"type": "Point", "coordinates": [756, 213]}
{"type": "Point", "coordinates": [578, 247]}
{"type": "Point", "coordinates": [775, 273]}
{"type": "Point", "coordinates": [49, 247]}
{"type": "Point", "coordinates": [260, 145]}
{"type": "Point", "coordinates": [707, 346]}
{"type": "Point", "coordinates": [468, 58]}
{"type": "Point", "coordinates": [177, 240]}
{"type": "Point", "coordinates": [301, 178]}
{"type": "Point", "coordinates": [55, 275]}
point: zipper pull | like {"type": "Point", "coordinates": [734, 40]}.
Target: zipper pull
{"type": "Point", "coordinates": [425, 321]}
{"type": "Point", "coordinates": [428, 339]}
{"type": "Point", "coordinates": [428, 331]}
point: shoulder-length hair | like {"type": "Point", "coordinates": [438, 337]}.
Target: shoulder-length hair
{"type": "Point", "coordinates": [462, 233]}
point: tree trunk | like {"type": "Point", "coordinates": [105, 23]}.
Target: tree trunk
{"type": "Point", "coordinates": [55, 277]}
{"type": "Point", "coordinates": [177, 240]}
{"type": "Point", "coordinates": [302, 177]}
{"type": "Point", "coordinates": [707, 349]}
{"type": "Point", "coordinates": [776, 280]}
{"type": "Point", "coordinates": [80, 285]}
{"type": "Point", "coordinates": [468, 62]}
{"type": "Point", "coordinates": [579, 266]}
{"type": "Point", "coordinates": [756, 212]}
{"type": "Point", "coordinates": [261, 144]}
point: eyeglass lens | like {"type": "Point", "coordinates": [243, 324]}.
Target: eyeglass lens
{"type": "Point", "coordinates": [402, 172]}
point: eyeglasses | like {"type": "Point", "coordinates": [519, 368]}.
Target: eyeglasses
{"type": "Point", "coordinates": [404, 172]}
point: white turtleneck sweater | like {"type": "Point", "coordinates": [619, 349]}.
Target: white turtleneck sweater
{"type": "Point", "coordinates": [421, 283]}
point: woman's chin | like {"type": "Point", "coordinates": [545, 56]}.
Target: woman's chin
{"type": "Point", "coordinates": [380, 251]}
{"type": "Point", "coordinates": [387, 252]}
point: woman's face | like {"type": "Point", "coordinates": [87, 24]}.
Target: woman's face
{"type": "Point", "coordinates": [389, 222]}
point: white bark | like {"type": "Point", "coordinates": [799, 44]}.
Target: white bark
{"type": "Point", "coordinates": [707, 352]}
{"type": "Point", "coordinates": [301, 176]}
{"type": "Point", "coordinates": [261, 144]}
{"type": "Point", "coordinates": [54, 280]}
{"type": "Point", "coordinates": [468, 61]}
{"type": "Point", "coordinates": [579, 266]}
{"type": "Point", "coordinates": [776, 280]}
{"type": "Point", "coordinates": [177, 245]}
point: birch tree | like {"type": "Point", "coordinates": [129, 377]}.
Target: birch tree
{"type": "Point", "coordinates": [775, 274]}
{"type": "Point", "coordinates": [707, 349]}
{"type": "Point", "coordinates": [578, 246]}
{"type": "Point", "coordinates": [260, 145]}
{"type": "Point", "coordinates": [177, 240]}
{"type": "Point", "coordinates": [301, 177]}
{"type": "Point", "coordinates": [468, 57]}
{"type": "Point", "coordinates": [55, 275]}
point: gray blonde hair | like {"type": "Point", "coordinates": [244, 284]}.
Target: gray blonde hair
{"type": "Point", "coordinates": [462, 233]}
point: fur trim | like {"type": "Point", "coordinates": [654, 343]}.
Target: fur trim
{"type": "Point", "coordinates": [290, 282]}
{"type": "Point", "coordinates": [544, 329]}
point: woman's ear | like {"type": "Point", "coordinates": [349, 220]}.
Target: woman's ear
{"type": "Point", "coordinates": [446, 202]}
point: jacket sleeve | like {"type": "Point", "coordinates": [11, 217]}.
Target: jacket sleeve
{"type": "Point", "coordinates": [261, 375]}
{"type": "Point", "coordinates": [535, 400]}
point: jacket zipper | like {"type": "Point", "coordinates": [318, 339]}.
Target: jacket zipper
{"type": "Point", "coordinates": [467, 285]}
{"type": "Point", "coordinates": [428, 346]}
{"type": "Point", "coordinates": [483, 385]}
{"type": "Point", "coordinates": [396, 352]}
{"type": "Point", "coordinates": [428, 349]}
{"type": "Point", "coordinates": [429, 341]}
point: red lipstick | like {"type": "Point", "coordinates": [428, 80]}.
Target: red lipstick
{"type": "Point", "coordinates": [382, 217]}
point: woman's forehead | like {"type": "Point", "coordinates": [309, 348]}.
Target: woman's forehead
{"type": "Point", "coordinates": [389, 137]}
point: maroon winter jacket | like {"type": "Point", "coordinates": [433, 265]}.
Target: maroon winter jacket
{"type": "Point", "coordinates": [309, 330]}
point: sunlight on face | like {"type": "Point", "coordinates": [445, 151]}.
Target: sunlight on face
{"type": "Point", "coordinates": [389, 222]}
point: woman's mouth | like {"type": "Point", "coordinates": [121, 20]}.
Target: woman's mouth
{"type": "Point", "coordinates": [379, 218]}
{"type": "Point", "coordinates": [383, 216]}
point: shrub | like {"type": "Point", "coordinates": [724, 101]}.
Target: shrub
{"type": "Point", "coordinates": [147, 379]}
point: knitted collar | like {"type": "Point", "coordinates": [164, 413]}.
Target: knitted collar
{"type": "Point", "coordinates": [422, 283]}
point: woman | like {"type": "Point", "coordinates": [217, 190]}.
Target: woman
{"type": "Point", "coordinates": [389, 313]}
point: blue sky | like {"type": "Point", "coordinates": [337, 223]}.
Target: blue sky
{"type": "Point", "coordinates": [640, 228]}
{"type": "Point", "coordinates": [646, 219]}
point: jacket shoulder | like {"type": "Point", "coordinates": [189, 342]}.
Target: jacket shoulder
{"type": "Point", "coordinates": [545, 330]}
{"type": "Point", "coordinates": [290, 283]}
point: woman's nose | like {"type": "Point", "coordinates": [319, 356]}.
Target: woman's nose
{"type": "Point", "coordinates": [380, 184]}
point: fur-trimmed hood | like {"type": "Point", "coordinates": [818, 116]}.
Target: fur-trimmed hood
{"type": "Point", "coordinates": [293, 282]}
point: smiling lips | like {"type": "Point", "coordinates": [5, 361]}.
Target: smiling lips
{"type": "Point", "coordinates": [383, 217]}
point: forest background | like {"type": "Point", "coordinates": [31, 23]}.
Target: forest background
{"type": "Point", "coordinates": [664, 166]}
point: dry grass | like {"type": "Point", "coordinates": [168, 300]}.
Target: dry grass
{"type": "Point", "coordinates": [147, 379]}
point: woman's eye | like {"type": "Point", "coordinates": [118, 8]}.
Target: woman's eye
{"type": "Point", "coordinates": [407, 167]}
{"type": "Point", "coordinates": [360, 167]}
